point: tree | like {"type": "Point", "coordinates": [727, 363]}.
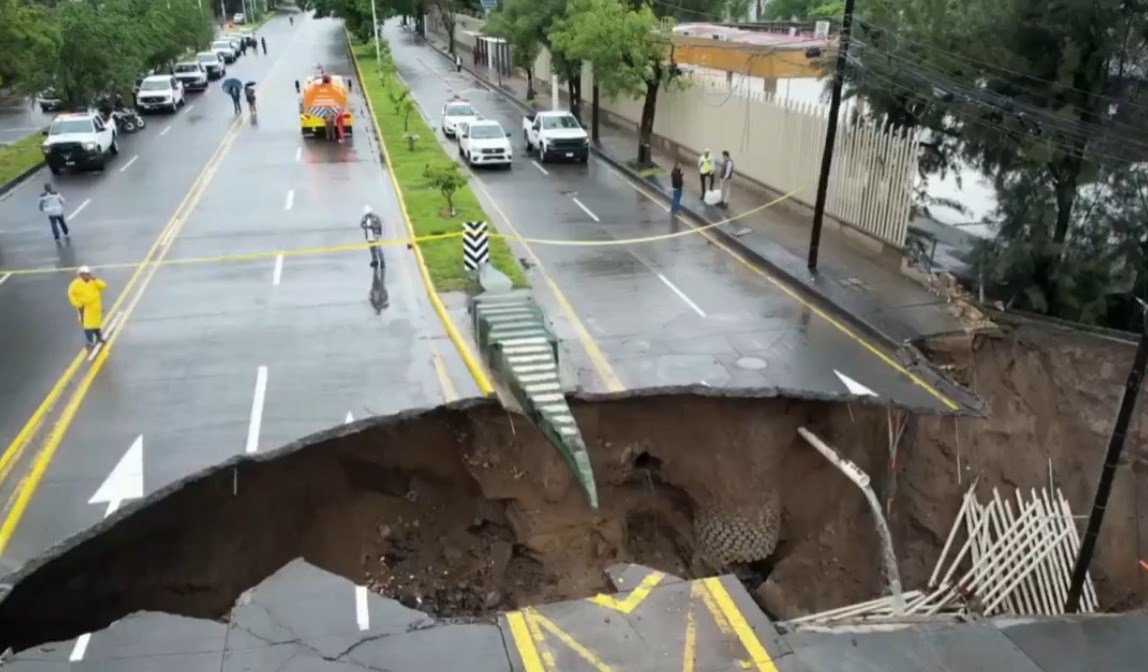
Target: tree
{"type": "Point", "coordinates": [628, 48]}
{"type": "Point", "coordinates": [447, 179]}
{"type": "Point", "coordinates": [29, 35]}
{"type": "Point", "coordinates": [523, 26]}
{"type": "Point", "coordinates": [1042, 98]}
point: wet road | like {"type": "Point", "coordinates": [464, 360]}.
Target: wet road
{"type": "Point", "coordinates": [673, 311]}
{"type": "Point", "coordinates": [215, 357]}
{"type": "Point", "coordinates": [20, 117]}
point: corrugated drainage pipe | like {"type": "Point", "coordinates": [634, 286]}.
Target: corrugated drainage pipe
{"type": "Point", "coordinates": [861, 480]}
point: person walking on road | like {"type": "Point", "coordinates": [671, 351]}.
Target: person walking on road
{"type": "Point", "coordinates": [706, 170]}
{"type": "Point", "coordinates": [234, 91]}
{"type": "Point", "coordinates": [372, 226]}
{"type": "Point", "coordinates": [52, 204]}
{"type": "Point", "coordinates": [726, 178]}
{"type": "Point", "coordinates": [263, 41]}
{"type": "Point", "coordinates": [676, 183]}
{"type": "Point", "coordinates": [86, 296]}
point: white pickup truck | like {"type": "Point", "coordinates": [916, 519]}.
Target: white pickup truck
{"type": "Point", "coordinates": [555, 135]}
{"type": "Point", "coordinates": [484, 143]}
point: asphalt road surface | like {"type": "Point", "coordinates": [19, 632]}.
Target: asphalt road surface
{"type": "Point", "coordinates": [214, 357]}
{"type": "Point", "coordinates": [670, 312]}
{"type": "Point", "coordinates": [20, 117]}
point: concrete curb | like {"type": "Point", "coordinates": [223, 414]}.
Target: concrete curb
{"type": "Point", "coordinates": [20, 179]}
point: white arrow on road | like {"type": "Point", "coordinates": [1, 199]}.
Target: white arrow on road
{"type": "Point", "coordinates": [855, 388]}
{"type": "Point", "coordinates": [125, 482]}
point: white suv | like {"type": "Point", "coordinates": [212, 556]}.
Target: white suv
{"type": "Point", "coordinates": [160, 92]}
{"type": "Point", "coordinates": [484, 143]}
{"type": "Point", "coordinates": [79, 140]}
{"type": "Point", "coordinates": [192, 75]}
{"type": "Point", "coordinates": [457, 111]}
{"type": "Point", "coordinates": [226, 49]}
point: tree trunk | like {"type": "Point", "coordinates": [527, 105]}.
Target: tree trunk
{"type": "Point", "coordinates": [574, 87]}
{"type": "Point", "coordinates": [530, 93]}
{"type": "Point", "coordinates": [646, 126]}
{"type": "Point", "coordinates": [597, 109]}
{"type": "Point", "coordinates": [448, 23]}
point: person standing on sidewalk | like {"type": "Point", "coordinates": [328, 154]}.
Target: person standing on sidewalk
{"type": "Point", "coordinates": [676, 184]}
{"type": "Point", "coordinates": [726, 178]}
{"type": "Point", "coordinates": [86, 296]}
{"type": "Point", "coordinates": [263, 41]}
{"type": "Point", "coordinates": [706, 170]}
{"type": "Point", "coordinates": [52, 204]}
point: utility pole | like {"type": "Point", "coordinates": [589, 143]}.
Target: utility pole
{"type": "Point", "coordinates": [375, 24]}
{"type": "Point", "coordinates": [831, 132]}
{"type": "Point", "coordinates": [1108, 471]}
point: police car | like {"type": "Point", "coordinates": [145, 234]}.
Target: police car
{"type": "Point", "coordinates": [79, 140]}
{"type": "Point", "coordinates": [457, 111]}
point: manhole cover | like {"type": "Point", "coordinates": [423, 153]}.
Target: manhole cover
{"type": "Point", "coordinates": [752, 363]}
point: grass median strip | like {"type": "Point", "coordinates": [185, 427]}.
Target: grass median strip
{"type": "Point", "coordinates": [19, 156]}
{"type": "Point", "coordinates": [403, 128]}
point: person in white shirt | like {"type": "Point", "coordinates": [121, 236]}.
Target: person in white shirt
{"type": "Point", "coordinates": [52, 204]}
{"type": "Point", "coordinates": [372, 226]}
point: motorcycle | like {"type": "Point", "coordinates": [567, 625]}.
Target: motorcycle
{"type": "Point", "coordinates": [129, 121]}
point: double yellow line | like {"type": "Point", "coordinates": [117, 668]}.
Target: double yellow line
{"type": "Point", "coordinates": [21, 495]}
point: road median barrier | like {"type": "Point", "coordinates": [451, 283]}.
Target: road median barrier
{"type": "Point", "coordinates": [20, 160]}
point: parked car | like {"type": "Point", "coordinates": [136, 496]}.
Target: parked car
{"type": "Point", "coordinates": [211, 61]}
{"type": "Point", "coordinates": [49, 101]}
{"type": "Point", "coordinates": [239, 18]}
{"type": "Point", "coordinates": [192, 74]}
{"type": "Point", "coordinates": [160, 92]}
{"type": "Point", "coordinates": [555, 135]}
{"type": "Point", "coordinates": [226, 49]}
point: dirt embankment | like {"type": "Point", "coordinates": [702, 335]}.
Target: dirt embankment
{"type": "Point", "coordinates": [466, 510]}
{"type": "Point", "coordinates": [1053, 395]}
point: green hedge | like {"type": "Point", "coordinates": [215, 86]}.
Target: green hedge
{"type": "Point", "coordinates": [425, 205]}
{"type": "Point", "coordinates": [20, 156]}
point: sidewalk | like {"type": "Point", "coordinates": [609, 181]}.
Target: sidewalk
{"type": "Point", "coordinates": [880, 298]}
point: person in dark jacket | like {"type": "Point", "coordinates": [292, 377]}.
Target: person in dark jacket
{"type": "Point", "coordinates": [263, 41]}
{"type": "Point", "coordinates": [676, 184]}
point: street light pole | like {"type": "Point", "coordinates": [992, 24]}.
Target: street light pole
{"type": "Point", "coordinates": [831, 132]}
{"type": "Point", "coordinates": [375, 26]}
{"type": "Point", "coordinates": [1108, 471]}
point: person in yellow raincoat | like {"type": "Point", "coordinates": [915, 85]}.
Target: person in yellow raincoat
{"type": "Point", "coordinates": [86, 295]}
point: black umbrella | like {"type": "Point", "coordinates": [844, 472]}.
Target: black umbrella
{"type": "Point", "coordinates": [231, 85]}
{"type": "Point", "coordinates": [248, 85]}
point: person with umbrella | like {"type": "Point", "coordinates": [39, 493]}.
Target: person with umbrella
{"type": "Point", "coordinates": [249, 90]}
{"type": "Point", "coordinates": [232, 86]}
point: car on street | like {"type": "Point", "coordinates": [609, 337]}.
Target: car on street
{"type": "Point", "coordinates": [247, 36]}
{"type": "Point", "coordinates": [49, 101]}
{"type": "Point", "coordinates": [456, 111]}
{"type": "Point", "coordinates": [160, 92]}
{"type": "Point", "coordinates": [226, 49]}
{"type": "Point", "coordinates": [555, 134]}
{"type": "Point", "coordinates": [484, 143]}
{"type": "Point", "coordinates": [212, 62]}
{"type": "Point", "coordinates": [239, 18]}
{"type": "Point", "coordinates": [191, 74]}
{"type": "Point", "coordinates": [78, 141]}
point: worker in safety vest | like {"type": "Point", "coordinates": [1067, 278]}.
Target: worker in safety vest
{"type": "Point", "coordinates": [706, 170]}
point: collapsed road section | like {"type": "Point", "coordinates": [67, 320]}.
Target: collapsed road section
{"type": "Point", "coordinates": [466, 510]}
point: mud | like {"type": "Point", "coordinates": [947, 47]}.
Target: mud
{"type": "Point", "coordinates": [465, 510]}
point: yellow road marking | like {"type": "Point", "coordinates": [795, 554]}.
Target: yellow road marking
{"type": "Point", "coordinates": [635, 598]}
{"type": "Point", "coordinates": [689, 651]}
{"type": "Point", "coordinates": [472, 363]}
{"type": "Point", "coordinates": [16, 448]}
{"type": "Point", "coordinates": [524, 642]}
{"type": "Point", "coordinates": [759, 657]}
{"type": "Point", "coordinates": [31, 482]}
{"type": "Point", "coordinates": [699, 590]}
{"type": "Point", "coordinates": [792, 293]}
{"type": "Point", "coordinates": [540, 641]}
{"type": "Point", "coordinates": [584, 653]}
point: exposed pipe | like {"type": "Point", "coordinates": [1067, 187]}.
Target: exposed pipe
{"type": "Point", "coordinates": [861, 480]}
